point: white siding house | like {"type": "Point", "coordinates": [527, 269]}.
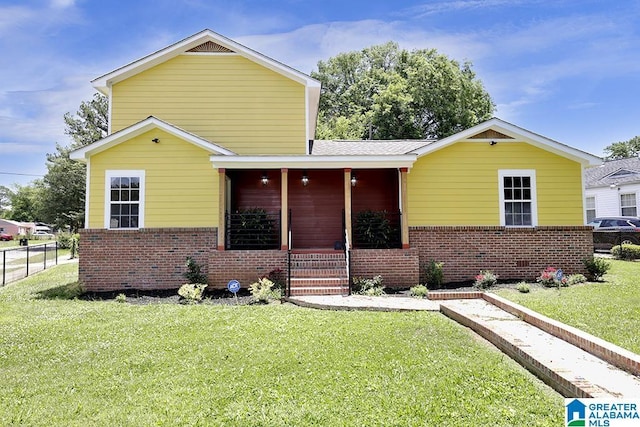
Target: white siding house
{"type": "Point", "coordinates": [613, 189]}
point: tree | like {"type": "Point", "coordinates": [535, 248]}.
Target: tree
{"type": "Point", "coordinates": [63, 193]}
{"type": "Point", "coordinates": [26, 202]}
{"type": "Point", "coordinates": [384, 92]}
{"type": "Point", "coordinates": [623, 149]}
{"type": "Point", "coordinates": [5, 200]}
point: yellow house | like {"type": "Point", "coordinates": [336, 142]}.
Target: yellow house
{"type": "Point", "coordinates": [211, 155]}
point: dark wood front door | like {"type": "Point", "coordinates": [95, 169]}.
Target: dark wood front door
{"type": "Point", "coordinates": [317, 208]}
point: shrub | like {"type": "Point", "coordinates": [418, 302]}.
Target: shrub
{"type": "Point", "coordinates": [485, 280]}
{"type": "Point", "coordinates": [596, 267]}
{"type": "Point", "coordinates": [64, 240]}
{"type": "Point", "coordinates": [261, 290]}
{"type": "Point", "coordinates": [419, 291]}
{"type": "Point", "coordinates": [194, 272]}
{"type": "Point", "coordinates": [191, 293]}
{"type": "Point", "coordinates": [549, 278]}
{"type": "Point", "coordinates": [626, 252]}
{"type": "Point", "coordinates": [575, 279]}
{"type": "Point", "coordinates": [121, 298]}
{"type": "Point", "coordinates": [366, 286]}
{"type": "Point", "coordinates": [279, 278]}
{"type": "Point", "coordinates": [372, 229]}
{"type": "Point", "coordinates": [434, 275]}
{"type": "Point", "coordinates": [523, 287]}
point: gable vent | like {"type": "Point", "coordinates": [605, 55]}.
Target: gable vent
{"type": "Point", "coordinates": [490, 134]}
{"type": "Point", "coordinates": [210, 47]}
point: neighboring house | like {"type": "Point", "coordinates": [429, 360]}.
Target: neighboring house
{"type": "Point", "coordinates": [16, 228]}
{"type": "Point", "coordinates": [612, 189]}
{"type": "Point", "coordinates": [211, 155]}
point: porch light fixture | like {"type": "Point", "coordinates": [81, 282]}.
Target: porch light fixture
{"type": "Point", "coordinates": [354, 180]}
{"type": "Point", "coordinates": [156, 140]}
{"type": "Point", "coordinates": [493, 142]}
{"type": "Point", "coordinates": [265, 178]}
{"type": "Point", "coordinates": [305, 178]}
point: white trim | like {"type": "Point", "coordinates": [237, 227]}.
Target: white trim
{"type": "Point", "coordinates": [87, 194]}
{"type": "Point", "coordinates": [110, 106]}
{"type": "Point", "coordinates": [595, 207]}
{"type": "Point", "coordinates": [306, 122]}
{"type": "Point", "coordinates": [139, 128]}
{"type": "Point", "coordinates": [162, 55]}
{"type": "Point", "coordinates": [114, 173]}
{"type": "Point", "coordinates": [517, 133]}
{"type": "Point", "coordinates": [209, 53]}
{"type": "Point", "coordinates": [635, 199]}
{"type": "Point", "coordinates": [313, 162]}
{"type": "Point", "coordinates": [531, 173]}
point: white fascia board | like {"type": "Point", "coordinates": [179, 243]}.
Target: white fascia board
{"type": "Point", "coordinates": [313, 162]}
{"type": "Point", "coordinates": [139, 128]}
{"type": "Point", "coordinates": [103, 82]}
{"type": "Point", "coordinates": [517, 133]}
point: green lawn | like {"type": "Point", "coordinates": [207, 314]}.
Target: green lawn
{"type": "Point", "coordinates": [77, 363]}
{"type": "Point", "coordinates": [609, 309]}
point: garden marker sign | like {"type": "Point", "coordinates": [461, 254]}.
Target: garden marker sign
{"type": "Point", "coordinates": [234, 286]}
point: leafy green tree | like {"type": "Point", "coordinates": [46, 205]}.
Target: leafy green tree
{"type": "Point", "coordinates": [26, 202]}
{"type": "Point", "coordinates": [5, 200]}
{"type": "Point", "coordinates": [623, 149]}
{"type": "Point", "coordinates": [384, 92]}
{"type": "Point", "coordinates": [64, 183]}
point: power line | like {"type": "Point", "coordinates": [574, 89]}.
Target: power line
{"type": "Point", "coordinates": [16, 173]}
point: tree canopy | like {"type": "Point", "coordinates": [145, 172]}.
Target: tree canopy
{"type": "Point", "coordinates": [384, 92]}
{"type": "Point", "coordinates": [58, 198]}
{"type": "Point", "coordinates": [623, 149]}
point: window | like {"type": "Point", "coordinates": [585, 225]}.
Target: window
{"type": "Point", "coordinates": [517, 198]}
{"type": "Point", "coordinates": [124, 199]}
{"type": "Point", "coordinates": [590, 204]}
{"type": "Point", "coordinates": [628, 204]}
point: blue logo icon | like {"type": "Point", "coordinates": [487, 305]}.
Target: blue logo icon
{"type": "Point", "coordinates": [576, 414]}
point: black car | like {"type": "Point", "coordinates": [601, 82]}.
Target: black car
{"type": "Point", "coordinates": [615, 230]}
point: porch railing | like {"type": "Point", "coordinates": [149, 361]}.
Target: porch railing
{"type": "Point", "coordinates": [254, 229]}
{"type": "Point", "coordinates": [377, 229]}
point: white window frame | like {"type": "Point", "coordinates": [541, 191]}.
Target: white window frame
{"type": "Point", "coordinates": [531, 174]}
{"type": "Point", "coordinates": [634, 206]}
{"type": "Point", "coordinates": [587, 208]}
{"type": "Point", "coordinates": [140, 174]}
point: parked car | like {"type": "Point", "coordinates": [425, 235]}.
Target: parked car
{"type": "Point", "coordinates": [42, 235]}
{"type": "Point", "coordinates": [611, 231]}
{"type": "Point", "coordinates": [5, 237]}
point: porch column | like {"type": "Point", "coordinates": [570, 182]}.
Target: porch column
{"type": "Point", "coordinates": [284, 209]}
{"type": "Point", "coordinates": [347, 204]}
{"type": "Point", "coordinates": [222, 201]}
{"type": "Point", "coordinates": [404, 209]}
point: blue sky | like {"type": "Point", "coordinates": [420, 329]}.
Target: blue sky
{"type": "Point", "coordinates": [566, 69]}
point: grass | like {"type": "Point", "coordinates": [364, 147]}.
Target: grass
{"type": "Point", "coordinates": [74, 363]}
{"type": "Point", "coordinates": [607, 309]}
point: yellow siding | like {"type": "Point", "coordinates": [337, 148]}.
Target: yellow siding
{"type": "Point", "coordinates": [181, 185]}
{"type": "Point", "coordinates": [458, 185]}
{"type": "Point", "coordinates": [226, 99]}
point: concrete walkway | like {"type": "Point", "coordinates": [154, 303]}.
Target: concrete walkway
{"type": "Point", "coordinates": [573, 372]}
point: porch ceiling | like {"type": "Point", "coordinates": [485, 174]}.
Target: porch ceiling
{"type": "Point", "coordinates": [314, 162]}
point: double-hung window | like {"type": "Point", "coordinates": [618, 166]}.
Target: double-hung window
{"type": "Point", "coordinates": [591, 208]}
{"type": "Point", "coordinates": [518, 207]}
{"type": "Point", "coordinates": [628, 204]}
{"type": "Point", "coordinates": [124, 199]}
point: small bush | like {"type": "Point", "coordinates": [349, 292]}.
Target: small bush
{"type": "Point", "coordinates": [366, 286]}
{"type": "Point", "coordinates": [191, 293]}
{"type": "Point", "coordinates": [194, 272]}
{"type": "Point", "coordinates": [261, 291]}
{"type": "Point", "coordinates": [596, 267]}
{"type": "Point", "coordinates": [121, 298]}
{"type": "Point", "coordinates": [434, 274]}
{"type": "Point", "coordinates": [575, 279]}
{"type": "Point", "coordinates": [418, 291]}
{"type": "Point", "coordinates": [549, 278]}
{"type": "Point", "coordinates": [626, 252]}
{"type": "Point", "coordinates": [64, 240]}
{"type": "Point", "coordinates": [485, 280]}
{"type": "Point", "coordinates": [523, 287]}
{"type": "Point", "coordinates": [279, 278]}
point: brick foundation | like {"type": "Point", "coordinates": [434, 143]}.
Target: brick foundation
{"type": "Point", "coordinates": [154, 258]}
{"type": "Point", "coordinates": [512, 253]}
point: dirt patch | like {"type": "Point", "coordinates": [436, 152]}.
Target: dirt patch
{"type": "Point", "coordinates": [139, 297]}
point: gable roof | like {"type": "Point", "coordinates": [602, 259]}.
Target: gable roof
{"type": "Point", "coordinates": [141, 127]}
{"type": "Point", "coordinates": [366, 147]}
{"type": "Point", "coordinates": [210, 42]}
{"type": "Point", "coordinates": [609, 173]}
{"type": "Point", "coordinates": [497, 130]}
